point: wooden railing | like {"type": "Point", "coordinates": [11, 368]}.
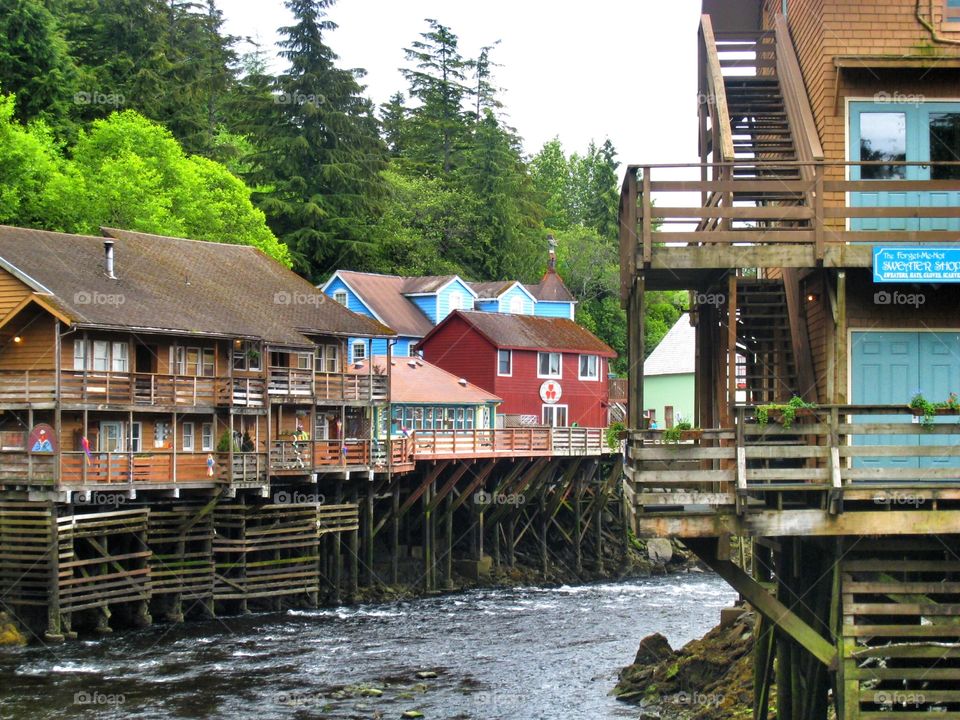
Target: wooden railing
{"type": "Point", "coordinates": [526, 441]}
{"type": "Point", "coordinates": [290, 384]}
{"type": "Point", "coordinates": [145, 469]}
{"type": "Point", "coordinates": [841, 452]}
{"type": "Point", "coordinates": [308, 455]}
{"type": "Point", "coordinates": [137, 389]}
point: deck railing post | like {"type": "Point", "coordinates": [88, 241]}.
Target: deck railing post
{"type": "Point", "coordinates": [818, 229]}
{"type": "Point", "coordinates": [646, 220]}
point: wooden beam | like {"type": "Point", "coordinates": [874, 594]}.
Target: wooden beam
{"type": "Point", "coordinates": [771, 608]}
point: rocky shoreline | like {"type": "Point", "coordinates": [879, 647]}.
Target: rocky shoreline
{"type": "Point", "coordinates": [710, 678]}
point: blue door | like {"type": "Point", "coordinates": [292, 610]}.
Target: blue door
{"type": "Point", "coordinates": [890, 368]}
{"type": "Point", "coordinates": [905, 130]}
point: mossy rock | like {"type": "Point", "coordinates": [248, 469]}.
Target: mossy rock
{"type": "Point", "coordinates": [11, 636]}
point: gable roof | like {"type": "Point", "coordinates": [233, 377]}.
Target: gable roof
{"type": "Point", "coordinates": [175, 285]}
{"type": "Point", "coordinates": [413, 380]}
{"type": "Point", "coordinates": [384, 295]}
{"type": "Point", "coordinates": [493, 290]}
{"type": "Point", "coordinates": [530, 332]}
{"type": "Point", "coordinates": [551, 288]}
{"type": "Point", "coordinates": [676, 352]}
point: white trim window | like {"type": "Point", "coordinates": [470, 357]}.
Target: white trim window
{"type": "Point", "coordinates": [246, 356]}
{"type": "Point", "coordinates": [455, 300]}
{"type": "Point", "coordinates": [505, 363]}
{"type": "Point", "coordinates": [188, 437]}
{"type": "Point", "coordinates": [206, 437]}
{"type": "Point", "coordinates": [340, 296]}
{"type": "Point", "coordinates": [136, 437]}
{"type": "Point", "coordinates": [359, 350]}
{"type": "Point", "coordinates": [101, 355]}
{"type": "Point", "coordinates": [554, 415]}
{"type": "Point", "coordinates": [549, 365]}
{"type": "Point", "coordinates": [589, 367]}
{"type": "Point", "coordinates": [111, 436]}
{"type": "Point", "coordinates": [328, 358]}
{"type": "Point", "coordinates": [80, 354]}
{"type": "Point", "coordinates": [516, 305]}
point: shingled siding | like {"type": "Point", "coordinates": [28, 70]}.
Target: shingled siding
{"type": "Point", "coordinates": [824, 29]}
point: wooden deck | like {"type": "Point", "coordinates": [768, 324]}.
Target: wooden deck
{"type": "Point", "coordinates": [836, 469]}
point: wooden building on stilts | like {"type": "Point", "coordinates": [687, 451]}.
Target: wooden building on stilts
{"type": "Point", "coordinates": [818, 238]}
{"type": "Point", "coordinates": [181, 434]}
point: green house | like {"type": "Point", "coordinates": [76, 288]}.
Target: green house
{"type": "Point", "coordinates": [668, 386]}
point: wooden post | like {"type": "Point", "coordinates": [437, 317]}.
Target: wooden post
{"type": "Point", "coordinates": [368, 536]}
{"type": "Point", "coordinates": [337, 542]}
{"type": "Point", "coordinates": [54, 629]}
{"type": "Point", "coordinates": [578, 522]}
{"type": "Point", "coordinates": [354, 540]}
{"type": "Point", "coordinates": [635, 331]}
{"type": "Point", "coordinates": [511, 538]}
{"type": "Point", "coordinates": [598, 523]}
{"type": "Point", "coordinates": [731, 349]}
{"type": "Point", "coordinates": [544, 524]}
{"type": "Point", "coordinates": [448, 538]}
{"type": "Point", "coordinates": [840, 364]}
{"type": "Point", "coordinates": [395, 534]}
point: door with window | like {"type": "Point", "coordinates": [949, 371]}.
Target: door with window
{"type": "Point", "coordinates": [889, 368]}
{"type": "Point", "coordinates": [890, 132]}
{"type": "Point", "coordinates": [555, 415]}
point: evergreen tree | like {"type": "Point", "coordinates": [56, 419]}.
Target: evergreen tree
{"type": "Point", "coordinates": [595, 195]}
{"type": "Point", "coordinates": [393, 120]}
{"type": "Point", "coordinates": [483, 91]}
{"type": "Point", "coordinates": [35, 63]}
{"type": "Point", "coordinates": [319, 151]}
{"type": "Point", "coordinates": [437, 80]}
{"type": "Point", "coordinates": [550, 171]}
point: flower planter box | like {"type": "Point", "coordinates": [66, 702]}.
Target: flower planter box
{"type": "Point", "coordinates": [918, 412]}
{"type": "Point", "coordinates": [686, 435]}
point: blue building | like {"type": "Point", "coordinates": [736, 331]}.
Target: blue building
{"type": "Point", "coordinates": [411, 306]}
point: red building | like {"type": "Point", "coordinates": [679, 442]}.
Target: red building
{"type": "Point", "coordinates": [548, 371]}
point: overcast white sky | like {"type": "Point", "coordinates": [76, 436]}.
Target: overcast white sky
{"type": "Point", "coordinates": [623, 69]}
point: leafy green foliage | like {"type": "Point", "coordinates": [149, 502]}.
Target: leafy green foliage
{"type": "Point", "coordinates": [929, 409]}
{"type": "Point", "coordinates": [787, 411]}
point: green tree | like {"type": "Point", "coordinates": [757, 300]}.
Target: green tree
{"type": "Point", "coordinates": [550, 171]}
{"type": "Point", "coordinates": [437, 80]}
{"type": "Point", "coordinates": [28, 161]}
{"type": "Point", "coordinates": [35, 63]}
{"type": "Point", "coordinates": [393, 120]}
{"type": "Point", "coordinates": [319, 151]}
{"type": "Point", "coordinates": [594, 191]}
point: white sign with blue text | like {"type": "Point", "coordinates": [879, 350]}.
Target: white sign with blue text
{"type": "Point", "coordinates": [916, 265]}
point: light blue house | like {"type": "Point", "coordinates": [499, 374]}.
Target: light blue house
{"type": "Point", "coordinates": [411, 306]}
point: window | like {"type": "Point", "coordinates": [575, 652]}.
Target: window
{"type": "Point", "coordinates": [328, 359]}
{"type": "Point", "coordinates": [111, 437]}
{"type": "Point", "coordinates": [208, 362]}
{"type": "Point", "coordinates": [456, 301]}
{"type": "Point", "coordinates": [206, 437]}
{"type": "Point", "coordinates": [883, 137]}
{"type": "Point", "coordinates": [303, 361]}
{"type": "Point", "coordinates": [549, 365]}
{"type": "Point", "coordinates": [951, 15]}
{"type": "Point", "coordinates": [161, 433]}
{"type": "Point", "coordinates": [359, 350]}
{"type": "Point", "coordinates": [411, 351]}
{"type": "Point", "coordinates": [340, 296]}
{"type": "Point", "coordinates": [516, 305]}
{"type": "Point", "coordinates": [101, 355]}
{"type": "Point", "coordinates": [945, 140]}
{"type": "Point", "coordinates": [589, 367]}
{"type": "Point", "coordinates": [136, 437]}
{"type": "Point", "coordinates": [505, 362]}
{"type": "Point", "coordinates": [246, 355]}
{"type": "Point", "coordinates": [555, 415]}
{"type": "Point", "coordinates": [188, 437]}
{"type": "Point", "coordinates": [79, 354]}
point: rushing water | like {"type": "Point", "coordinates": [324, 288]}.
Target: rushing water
{"type": "Point", "coordinates": [519, 653]}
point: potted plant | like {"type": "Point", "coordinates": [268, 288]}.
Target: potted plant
{"type": "Point", "coordinates": [681, 431]}
{"type": "Point", "coordinates": [787, 412]}
{"type": "Point", "coordinates": [926, 410]}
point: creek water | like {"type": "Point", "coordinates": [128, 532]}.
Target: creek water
{"type": "Point", "coordinates": [516, 654]}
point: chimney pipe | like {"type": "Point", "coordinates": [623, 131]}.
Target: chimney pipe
{"type": "Point", "coordinates": [108, 258]}
{"type": "Point", "coordinates": [552, 261]}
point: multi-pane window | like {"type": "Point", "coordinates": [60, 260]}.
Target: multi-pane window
{"type": "Point", "coordinates": [883, 138]}
{"type": "Point", "coordinates": [549, 364]}
{"type": "Point", "coordinates": [193, 361]}
{"type": "Point", "coordinates": [188, 437]}
{"type": "Point", "coordinates": [555, 415]}
{"type": "Point", "coordinates": [327, 359]}
{"type": "Point", "coordinates": [340, 296]}
{"type": "Point", "coordinates": [79, 354]}
{"type": "Point", "coordinates": [246, 355]}
{"type": "Point", "coordinates": [206, 437]}
{"type": "Point", "coordinates": [589, 367]}
{"type": "Point", "coordinates": [504, 362]}
{"type": "Point", "coordinates": [136, 437]}
{"type": "Point", "coordinates": [945, 141]}
{"type": "Point", "coordinates": [359, 350]}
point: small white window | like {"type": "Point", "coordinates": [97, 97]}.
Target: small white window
{"type": "Point", "coordinates": [180, 360]}
{"type": "Point", "coordinates": [505, 362]}
{"type": "Point", "coordinates": [193, 361]}
{"type": "Point", "coordinates": [206, 437]}
{"type": "Point", "coordinates": [516, 305]}
{"type": "Point", "coordinates": [208, 362]}
{"type": "Point", "coordinates": [549, 365]}
{"type": "Point", "coordinates": [456, 301]}
{"type": "Point", "coordinates": [188, 437]}
{"type": "Point", "coordinates": [359, 350]}
{"type": "Point", "coordinates": [101, 355]}
{"type": "Point", "coordinates": [555, 415]}
{"type": "Point", "coordinates": [111, 437]}
{"type": "Point", "coordinates": [303, 361]}
{"type": "Point", "coordinates": [589, 367]}
{"type": "Point", "coordinates": [136, 437]}
{"type": "Point", "coordinates": [120, 358]}
{"type": "Point", "coordinates": [340, 296]}
{"type": "Point", "coordinates": [79, 354]}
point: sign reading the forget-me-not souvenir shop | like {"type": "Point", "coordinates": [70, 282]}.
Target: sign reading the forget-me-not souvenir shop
{"type": "Point", "coordinates": [916, 265]}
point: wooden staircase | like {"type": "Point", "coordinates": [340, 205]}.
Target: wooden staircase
{"type": "Point", "coordinates": [900, 631]}
{"type": "Point", "coordinates": [767, 368]}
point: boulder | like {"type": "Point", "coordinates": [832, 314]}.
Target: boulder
{"type": "Point", "coordinates": [659, 550]}
{"type": "Point", "coordinates": [653, 649]}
